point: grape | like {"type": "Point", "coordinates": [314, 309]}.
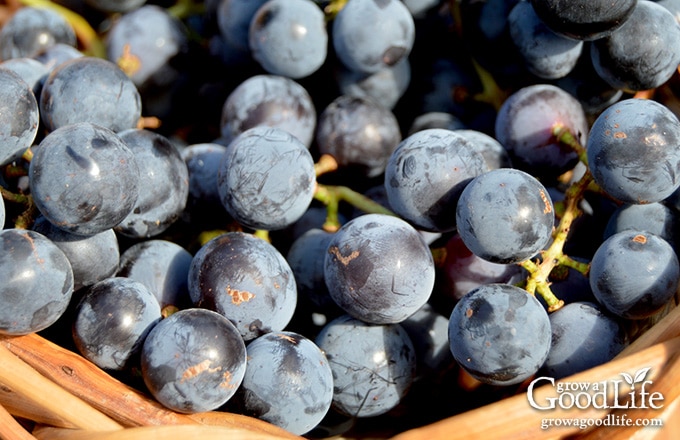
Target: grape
{"type": "Point", "coordinates": [289, 37]}
{"type": "Point", "coordinates": [113, 318]}
{"type": "Point", "coordinates": [2, 213]}
{"type": "Point", "coordinates": [429, 333]}
{"type": "Point", "coordinates": [633, 151]}
{"type": "Point", "coordinates": [494, 154]}
{"type": "Point", "coordinates": [379, 269]}
{"type": "Point", "coordinates": [435, 119]}
{"type": "Point", "coordinates": [112, 6]}
{"type": "Point", "coordinates": [582, 337]}
{"type": "Point", "coordinates": [88, 89]}
{"type": "Point", "coordinates": [525, 124]}
{"type": "Point", "coordinates": [463, 271]}
{"type": "Point", "coordinates": [193, 361]}
{"type": "Point", "coordinates": [19, 116]}
{"type": "Point", "coordinates": [288, 382]}
{"type": "Point", "coordinates": [53, 56]}
{"type": "Point", "coordinates": [360, 134]}
{"type": "Point", "coordinates": [385, 87]}
{"type": "Point", "coordinates": [656, 218]}
{"type": "Point", "coordinates": [93, 258]}
{"type": "Point", "coordinates": [505, 216]}
{"type": "Point", "coordinates": [32, 71]}
{"type": "Point", "coordinates": [245, 279]}
{"type": "Point", "coordinates": [426, 174]}
{"type": "Point", "coordinates": [499, 334]}
{"type": "Point", "coordinates": [634, 274]}
{"type": "Point", "coordinates": [162, 266]}
{"type": "Point", "coordinates": [203, 163]}
{"type": "Point", "coordinates": [637, 56]}
{"type": "Point", "coordinates": [273, 101]}
{"type": "Point", "coordinates": [584, 19]}
{"type": "Point", "coordinates": [673, 6]}
{"type": "Point", "coordinates": [266, 179]}
{"type": "Point", "coordinates": [548, 55]}
{"type": "Point", "coordinates": [363, 47]}
{"type": "Point", "coordinates": [147, 42]}
{"type": "Point", "coordinates": [84, 178]}
{"type": "Point", "coordinates": [163, 184]}
{"type": "Point", "coordinates": [37, 282]}
{"type": "Point", "coordinates": [306, 259]}
{"type": "Point", "coordinates": [233, 20]}
{"type": "Point", "coordinates": [30, 30]}
{"type": "Point", "coordinates": [373, 366]}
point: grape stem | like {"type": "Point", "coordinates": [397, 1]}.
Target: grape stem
{"type": "Point", "coordinates": [553, 256]}
{"type": "Point", "coordinates": [331, 196]}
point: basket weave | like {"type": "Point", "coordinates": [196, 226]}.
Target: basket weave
{"type": "Point", "coordinates": [65, 396]}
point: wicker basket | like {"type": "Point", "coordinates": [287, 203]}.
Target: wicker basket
{"type": "Point", "coordinates": [66, 397]}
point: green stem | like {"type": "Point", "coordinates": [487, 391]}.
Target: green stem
{"type": "Point", "coordinates": [331, 196]}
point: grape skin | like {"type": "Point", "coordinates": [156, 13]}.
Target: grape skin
{"type": "Point", "coordinates": [88, 89]}
{"type": "Point", "coordinates": [379, 269]}
{"type": "Point", "coordinates": [18, 127]}
{"type": "Point", "coordinates": [426, 174]}
{"type": "Point", "coordinates": [163, 184]}
{"type": "Point", "coordinates": [84, 178]}
{"type": "Point", "coordinates": [37, 282]}
{"type": "Point", "coordinates": [634, 274]}
{"type": "Point", "coordinates": [278, 364]}
{"type": "Point", "coordinates": [245, 279]}
{"type": "Point", "coordinates": [505, 216]}
{"type": "Point", "coordinates": [113, 317]}
{"type": "Point", "coordinates": [499, 334]}
{"type": "Point", "coordinates": [373, 366]}
{"type": "Point", "coordinates": [30, 30]}
{"type": "Point", "coordinates": [266, 178]}
{"type": "Point", "coordinates": [193, 361]}
{"type": "Point", "coordinates": [633, 151]}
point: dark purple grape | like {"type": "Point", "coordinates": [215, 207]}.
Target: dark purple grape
{"type": "Point", "coordinates": [146, 42]}
{"type": "Point", "coordinates": [113, 6]}
{"type": "Point", "coordinates": [463, 271]}
{"type": "Point", "coordinates": [656, 218]}
{"type": "Point", "coordinates": [203, 163]}
{"type": "Point", "coordinates": [84, 178]}
{"type": "Point", "coordinates": [429, 333]}
{"type": "Point", "coordinates": [88, 89]}
{"type": "Point", "coordinates": [233, 20]}
{"type": "Point", "coordinates": [637, 56]}
{"type": "Point", "coordinates": [163, 184]}
{"type": "Point", "coordinates": [2, 213]}
{"type": "Point", "coordinates": [494, 154]}
{"type": "Point", "coordinates": [20, 118]}
{"type": "Point", "coordinates": [193, 361]}
{"type": "Point", "coordinates": [379, 269]}
{"type": "Point", "coordinates": [500, 334]}
{"type": "Point", "coordinates": [93, 258]}
{"type": "Point", "coordinates": [163, 267]}
{"type": "Point", "coordinates": [363, 47]}
{"type": "Point", "coordinates": [359, 133]}
{"type": "Point", "coordinates": [525, 125]}
{"type": "Point", "coordinates": [112, 319]}
{"type": "Point", "coordinates": [288, 382]}
{"type": "Point", "coordinates": [373, 366]}
{"type": "Point", "coordinates": [547, 55]}
{"type": "Point", "coordinates": [426, 174]}
{"type": "Point", "coordinates": [245, 279]}
{"type": "Point", "coordinates": [31, 29]}
{"type": "Point", "coordinates": [505, 216]}
{"type": "Point", "coordinates": [634, 274]}
{"type": "Point", "coordinates": [583, 337]}
{"type": "Point", "coordinates": [53, 56]}
{"type": "Point", "coordinates": [634, 151]}
{"type": "Point", "coordinates": [272, 101]}
{"type": "Point", "coordinates": [435, 119]}
{"type": "Point", "coordinates": [37, 282]}
{"type": "Point", "coordinates": [32, 71]}
{"type": "Point", "coordinates": [289, 37]}
{"type": "Point", "coordinates": [266, 179]}
{"type": "Point", "coordinates": [385, 87]}
{"type": "Point", "coordinates": [584, 19]}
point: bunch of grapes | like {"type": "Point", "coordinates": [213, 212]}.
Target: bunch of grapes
{"type": "Point", "coordinates": [324, 214]}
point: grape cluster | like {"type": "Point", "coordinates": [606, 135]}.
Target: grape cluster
{"type": "Point", "coordinates": [331, 213]}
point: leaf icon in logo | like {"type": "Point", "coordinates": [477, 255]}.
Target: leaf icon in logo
{"type": "Point", "coordinates": [640, 374]}
{"type": "Point", "coordinates": [628, 379]}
